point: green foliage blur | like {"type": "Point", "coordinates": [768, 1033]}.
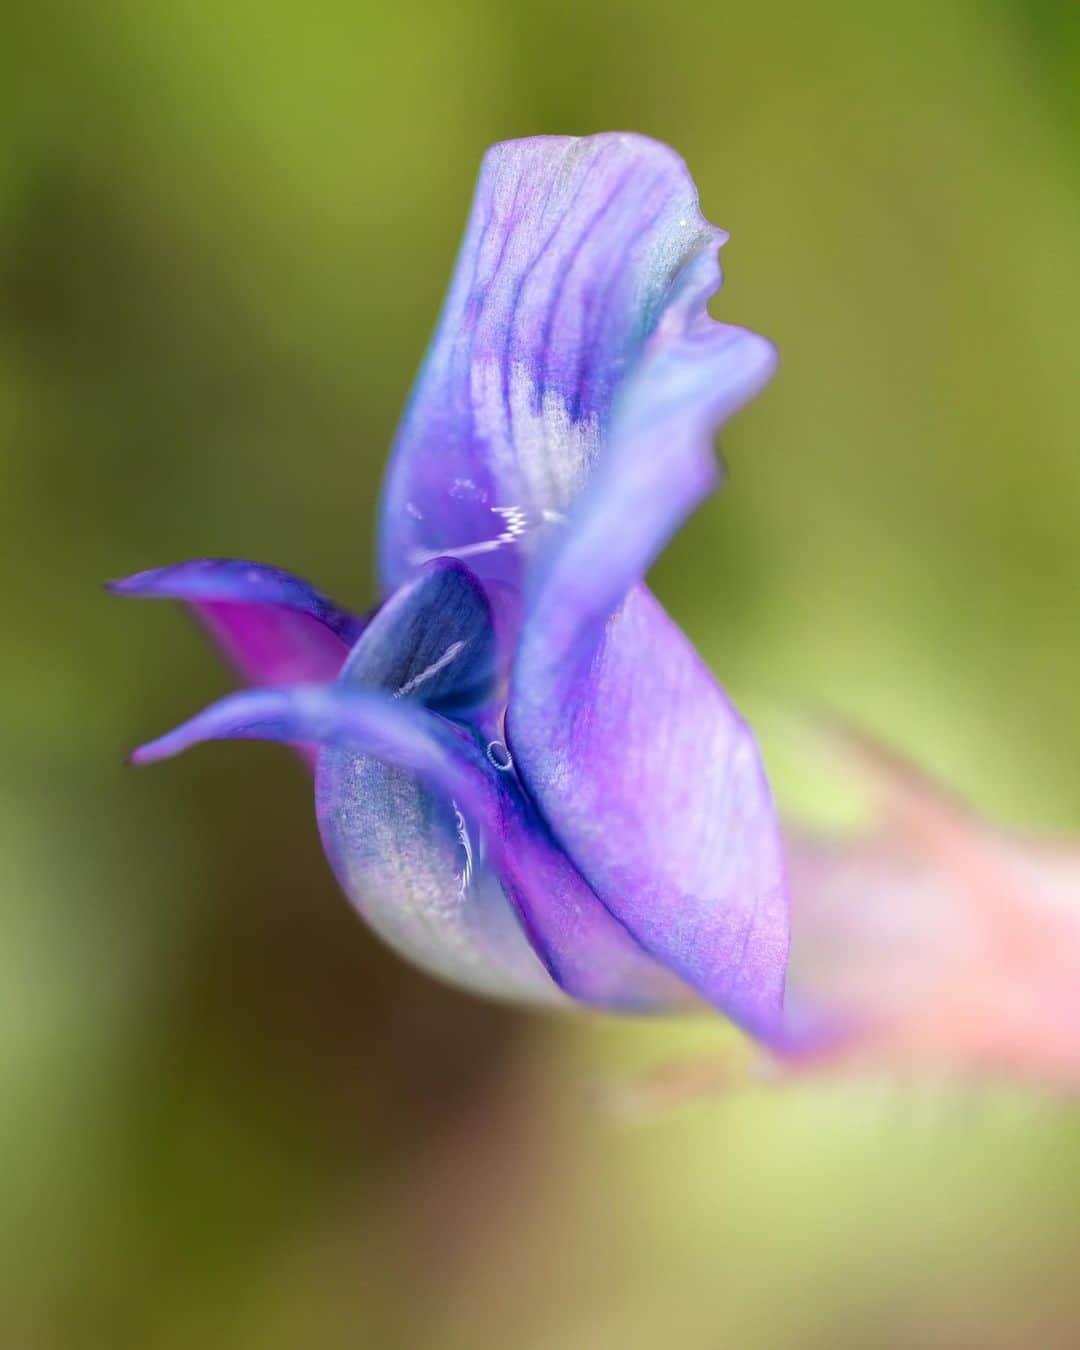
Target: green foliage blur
{"type": "Point", "coordinates": [228, 1118]}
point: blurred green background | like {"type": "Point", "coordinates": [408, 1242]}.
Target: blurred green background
{"type": "Point", "coordinates": [228, 1118]}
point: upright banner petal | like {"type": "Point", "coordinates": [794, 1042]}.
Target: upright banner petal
{"type": "Point", "coordinates": [574, 251]}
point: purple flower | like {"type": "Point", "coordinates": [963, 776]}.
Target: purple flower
{"type": "Point", "coordinates": [526, 779]}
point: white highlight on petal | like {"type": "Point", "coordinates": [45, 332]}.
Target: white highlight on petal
{"type": "Point", "coordinates": [453, 651]}
{"type": "Point", "coordinates": [533, 441]}
{"type": "Point", "coordinates": [419, 556]}
{"type": "Point", "coordinates": [554, 453]}
{"type": "Point", "coordinates": [519, 521]}
{"type": "Point", "coordinates": [466, 844]}
{"type": "Point", "coordinates": [515, 523]}
{"type": "Point", "coordinates": [535, 447]}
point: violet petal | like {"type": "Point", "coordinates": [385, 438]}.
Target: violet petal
{"type": "Point", "coordinates": [432, 642]}
{"type": "Point", "coordinates": [576, 256]}
{"type": "Point", "coordinates": [654, 786]}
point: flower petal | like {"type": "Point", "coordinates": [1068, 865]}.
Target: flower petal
{"type": "Point", "coordinates": [579, 252]}
{"type": "Point", "coordinates": [426, 827]}
{"type": "Point", "coordinates": [574, 384]}
{"type": "Point", "coordinates": [432, 642]}
{"type": "Point", "coordinates": [397, 785]}
{"type": "Point", "coordinates": [444, 611]}
{"type": "Point", "coordinates": [648, 777]}
{"type": "Point", "coordinates": [272, 627]}
{"type": "Point", "coordinates": [387, 794]}
{"type": "Point", "coordinates": [657, 467]}
{"type": "Point", "coordinates": [654, 786]}
{"type": "Point", "coordinates": [396, 829]}
{"type": "Point", "coordinates": [588, 951]}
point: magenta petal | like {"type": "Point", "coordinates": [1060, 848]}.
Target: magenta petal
{"type": "Point", "coordinates": [272, 627]}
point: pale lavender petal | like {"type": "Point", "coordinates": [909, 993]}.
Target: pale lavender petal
{"type": "Point", "coordinates": [589, 952]}
{"type": "Point", "coordinates": [578, 254]}
{"type": "Point", "coordinates": [272, 627]}
{"type": "Point", "coordinates": [417, 862]}
{"type": "Point", "coordinates": [657, 467]}
{"type": "Point", "coordinates": [401, 848]}
{"type": "Point", "coordinates": [655, 788]}
{"type": "Point", "coordinates": [403, 843]}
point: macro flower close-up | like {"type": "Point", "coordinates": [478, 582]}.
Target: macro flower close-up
{"type": "Point", "coordinates": [526, 779]}
{"type": "Point", "coordinates": [613, 465]}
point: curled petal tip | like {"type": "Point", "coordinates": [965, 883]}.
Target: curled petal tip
{"type": "Point", "coordinates": [152, 751]}
{"type": "Point", "coordinates": [583, 277]}
{"type": "Point", "coordinates": [136, 583]}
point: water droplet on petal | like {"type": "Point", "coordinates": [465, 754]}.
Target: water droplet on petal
{"type": "Point", "coordinates": [500, 756]}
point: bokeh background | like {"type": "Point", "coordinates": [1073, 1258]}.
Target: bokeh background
{"type": "Point", "coordinates": [228, 1118]}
